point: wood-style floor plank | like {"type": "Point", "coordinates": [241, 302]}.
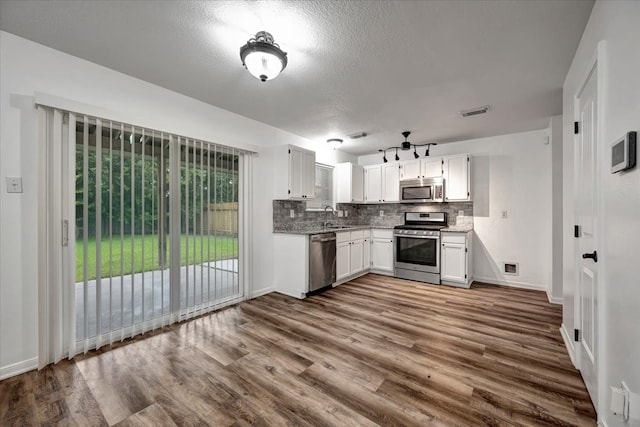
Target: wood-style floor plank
{"type": "Point", "coordinates": [374, 351]}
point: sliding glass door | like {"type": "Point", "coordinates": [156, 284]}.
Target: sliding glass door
{"type": "Point", "coordinates": [156, 229]}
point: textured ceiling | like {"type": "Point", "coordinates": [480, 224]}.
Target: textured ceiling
{"type": "Point", "coordinates": [375, 66]}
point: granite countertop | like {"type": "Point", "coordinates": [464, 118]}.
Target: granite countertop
{"type": "Point", "coordinates": [463, 228]}
{"type": "Point", "coordinates": [320, 230]}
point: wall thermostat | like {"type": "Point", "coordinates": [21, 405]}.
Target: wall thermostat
{"type": "Point", "coordinates": [623, 152]}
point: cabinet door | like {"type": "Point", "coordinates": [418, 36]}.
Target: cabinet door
{"type": "Point", "coordinates": [391, 183]}
{"type": "Point", "coordinates": [295, 173]}
{"type": "Point", "coordinates": [456, 176]}
{"type": "Point", "coordinates": [343, 259]}
{"type": "Point", "coordinates": [431, 168]}
{"type": "Point", "coordinates": [308, 176]}
{"type": "Point", "coordinates": [382, 254]}
{"type": "Point", "coordinates": [366, 254]}
{"type": "Point", "coordinates": [357, 183]}
{"type": "Point", "coordinates": [373, 184]}
{"type": "Point", "coordinates": [357, 252]}
{"type": "Point", "coordinates": [453, 258]}
{"type": "Point", "coordinates": [410, 169]}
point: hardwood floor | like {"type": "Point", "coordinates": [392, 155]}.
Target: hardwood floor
{"type": "Point", "coordinates": [374, 351]}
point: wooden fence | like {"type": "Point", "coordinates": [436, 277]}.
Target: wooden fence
{"type": "Point", "coordinates": [222, 218]}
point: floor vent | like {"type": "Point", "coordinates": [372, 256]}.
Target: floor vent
{"type": "Point", "coordinates": [510, 268]}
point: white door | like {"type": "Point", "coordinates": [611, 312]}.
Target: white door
{"type": "Point", "coordinates": [308, 174]}
{"type": "Point", "coordinates": [382, 254]}
{"type": "Point", "coordinates": [391, 183]}
{"type": "Point", "coordinates": [456, 178]}
{"type": "Point", "coordinates": [586, 216]}
{"type": "Point", "coordinates": [453, 259]}
{"type": "Point", "coordinates": [295, 174]}
{"type": "Point", "coordinates": [373, 184]}
{"type": "Point", "coordinates": [357, 252]}
{"type": "Point", "coordinates": [343, 258]}
{"type": "Point", "coordinates": [410, 169]}
{"type": "Point", "coordinates": [366, 254]}
{"type": "Point", "coordinates": [432, 168]}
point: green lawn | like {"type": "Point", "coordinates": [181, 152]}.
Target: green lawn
{"type": "Point", "coordinates": [217, 249]}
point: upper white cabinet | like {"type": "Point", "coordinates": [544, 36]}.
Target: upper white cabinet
{"type": "Point", "coordinates": [348, 183]}
{"type": "Point", "coordinates": [421, 168]}
{"type": "Point", "coordinates": [456, 172]}
{"type": "Point", "coordinates": [295, 173]}
{"type": "Point", "coordinates": [431, 168]}
{"type": "Point", "coordinates": [382, 183]}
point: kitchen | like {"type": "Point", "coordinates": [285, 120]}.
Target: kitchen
{"type": "Point", "coordinates": [357, 247]}
{"type": "Point", "coordinates": [520, 176]}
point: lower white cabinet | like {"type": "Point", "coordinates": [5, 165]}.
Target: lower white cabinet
{"type": "Point", "coordinates": [291, 264]}
{"type": "Point", "coordinates": [455, 256]}
{"type": "Point", "coordinates": [382, 251]}
{"type": "Point", "coordinates": [351, 254]}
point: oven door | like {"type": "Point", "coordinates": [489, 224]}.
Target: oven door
{"type": "Point", "coordinates": [418, 253]}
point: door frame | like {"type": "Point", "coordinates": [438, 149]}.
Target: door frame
{"type": "Point", "coordinates": [595, 64]}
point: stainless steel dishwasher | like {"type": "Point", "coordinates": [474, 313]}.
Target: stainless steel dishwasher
{"type": "Point", "coordinates": [322, 260]}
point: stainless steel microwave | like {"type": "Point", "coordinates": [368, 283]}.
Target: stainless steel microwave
{"type": "Point", "coordinates": [422, 190]}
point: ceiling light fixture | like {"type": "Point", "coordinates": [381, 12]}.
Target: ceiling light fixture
{"type": "Point", "coordinates": [406, 145]}
{"type": "Point", "coordinates": [263, 57]}
{"type": "Point", "coordinates": [334, 142]}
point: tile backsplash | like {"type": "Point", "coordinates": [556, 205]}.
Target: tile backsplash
{"type": "Point", "coordinates": [393, 214]}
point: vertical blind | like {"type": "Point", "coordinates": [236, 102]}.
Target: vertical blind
{"type": "Point", "coordinates": [153, 234]}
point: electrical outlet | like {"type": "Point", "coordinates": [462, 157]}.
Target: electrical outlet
{"type": "Point", "coordinates": [381, 213]}
{"type": "Point", "coordinates": [340, 213]}
{"type": "Point", "coordinates": [292, 213]}
{"type": "Point", "coordinates": [346, 214]}
{"type": "Point", "coordinates": [14, 184]}
{"type": "Point", "coordinates": [505, 214]}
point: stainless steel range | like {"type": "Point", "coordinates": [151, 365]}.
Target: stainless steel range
{"type": "Point", "coordinates": [416, 254]}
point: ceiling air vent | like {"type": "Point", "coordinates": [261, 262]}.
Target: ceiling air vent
{"type": "Point", "coordinates": [358, 135]}
{"type": "Point", "coordinates": [474, 111]}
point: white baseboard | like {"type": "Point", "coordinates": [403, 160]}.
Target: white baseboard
{"type": "Point", "coordinates": [290, 294]}
{"type": "Point", "coordinates": [514, 284]}
{"type": "Point", "coordinates": [568, 343]}
{"type": "Point", "coordinates": [552, 299]}
{"type": "Point", "coordinates": [260, 292]}
{"type": "Point", "coordinates": [18, 368]}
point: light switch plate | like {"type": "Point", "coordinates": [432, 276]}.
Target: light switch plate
{"type": "Point", "coordinates": [14, 184]}
{"type": "Point", "coordinates": [292, 213]}
{"type": "Point", "coordinates": [381, 213]}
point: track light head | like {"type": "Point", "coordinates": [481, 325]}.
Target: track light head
{"type": "Point", "coordinates": [415, 153]}
{"type": "Point", "coordinates": [397, 157]}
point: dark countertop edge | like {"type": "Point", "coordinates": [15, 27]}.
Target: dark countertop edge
{"type": "Point", "coordinates": [337, 230]}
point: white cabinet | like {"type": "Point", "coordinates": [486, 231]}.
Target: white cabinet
{"type": "Point", "coordinates": [348, 183]}
{"type": "Point", "coordinates": [373, 184]}
{"type": "Point", "coordinates": [382, 183]}
{"type": "Point", "coordinates": [343, 260]}
{"type": "Point", "coordinates": [456, 173]}
{"type": "Point", "coordinates": [455, 259]}
{"type": "Point", "coordinates": [421, 168]}
{"type": "Point", "coordinates": [295, 173]}
{"type": "Point", "coordinates": [291, 265]}
{"type": "Point", "coordinates": [431, 168]}
{"type": "Point", "coordinates": [351, 254]}
{"type": "Point", "coordinates": [382, 251]}
{"type": "Point", "coordinates": [366, 250]}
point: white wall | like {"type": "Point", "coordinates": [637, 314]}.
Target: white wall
{"type": "Point", "coordinates": [616, 23]}
{"type": "Point", "coordinates": [26, 68]}
{"type": "Point", "coordinates": [513, 173]}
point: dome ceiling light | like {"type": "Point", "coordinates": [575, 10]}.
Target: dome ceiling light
{"type": "Point", "coordinates": [406, 145]}
{"type": "Point", "coordinates": [263, 57]}
{"type": "Point", "coordinates": [334, 142]}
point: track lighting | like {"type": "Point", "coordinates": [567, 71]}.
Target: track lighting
{"type": "Point", "coordinates": [406, 145]}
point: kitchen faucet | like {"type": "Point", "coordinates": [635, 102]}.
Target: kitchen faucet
{"type": "Point", "coordinates": [326, 222]}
